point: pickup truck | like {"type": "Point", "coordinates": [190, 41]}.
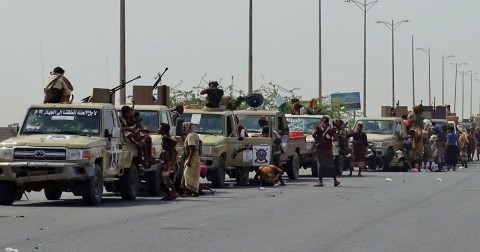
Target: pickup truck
{"type": "Point", "coordinates": [294, 146]}
{"type": "Point", "coordinates": [75, 148]}
{"type": "Point", "coordinates": [306, 124]}
{"type": "Point", "coordinates": [152, 116]}
{"type": "Point", "coordinates": [223, 150]}
{"type": "Point", "coordinates": [386, 134]}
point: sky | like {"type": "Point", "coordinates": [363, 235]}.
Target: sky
{"type": "Point", "coordinates": [193, 38]}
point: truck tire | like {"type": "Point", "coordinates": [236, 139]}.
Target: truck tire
{"type": "Point", "coordinates": [242, 176]}
{"type": "Point", "coordinates": [314, 168]}
{"type": "Point", "coordinates": [8, 193]}
{"type": "Point", "coordinates": [293, 167]}
{"type": "Point", "coordinates": [218, 175]}
{"type": "Point", "coordinates": [92, 189]}
{"type": "Point", "coordinates": [52, 193]}
{"type": "Point", "coordinates": [153, 183]}
{"type": "Point", "coordinates": [129, 183]}
{"type": "Point", "coordinates": [20, 193]}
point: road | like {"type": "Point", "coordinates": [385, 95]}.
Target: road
{"type": "Point", "coordinates": [413, 212]}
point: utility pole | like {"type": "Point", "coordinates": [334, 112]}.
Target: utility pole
{"type": "Point", "coordinates": [320, 93]}
{"type": "Point", "coordinates": [413, 74]}
{"type": "Point", "coordinates": [250, 48]}
{"type": "Point", "coordinates": [463, 94]}
{"type": "Point", "coordinates": [392, 27]}
{"type": "Point", "coordinates": [123, 93]}
{"type": "Point", "coordinates": [443, 77]}
{"type": "Point", "coordinates": [364, 7]}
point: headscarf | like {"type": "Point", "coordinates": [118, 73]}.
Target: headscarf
{"type": "Point", "coordinates": [188, 128]}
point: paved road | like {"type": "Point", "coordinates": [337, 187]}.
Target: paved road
{"type": "Point", "coordinates": [413, 212]}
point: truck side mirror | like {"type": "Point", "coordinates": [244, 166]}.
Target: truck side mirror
{"type": "Point", "coordinates": [107, 134]}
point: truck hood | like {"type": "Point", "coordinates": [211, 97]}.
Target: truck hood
{"type": "Point", "coordinates": [380, 137]}
{"type": "Point", "coordinates": [69, 141]}
{"type": "Point", "coordinates": [211, 139]}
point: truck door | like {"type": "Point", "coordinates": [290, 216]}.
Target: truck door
{"type": "Point", "coordinates": [112, 150]}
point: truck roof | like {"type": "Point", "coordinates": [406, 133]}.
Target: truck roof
{"type": "Point", "coordinates": [257, 112]}
{"type": "Point", "coordinates": [200, 111]}
{"type": "Point", "coordinates": [75, 105]}
{"type": "Point", "coordinates": [146, 107]}
{"type": "Point", "coordinates": [380, 119]}
{"type": "Point", "coordinates": [305, 116]}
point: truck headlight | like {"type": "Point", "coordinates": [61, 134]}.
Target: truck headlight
{"type": "Point", "coordinates": [6, 153]}
{"type": "Point", "coordinates": [78, 154]}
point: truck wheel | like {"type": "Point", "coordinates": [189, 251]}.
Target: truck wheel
{"type": "Point", "coordinates": [52, 193]}
{"type": "Point", "coordinates": [218, 176]}
{"type": "Point", "coordinates": [314, 168]}
{"type": "Point", "coordinates": [293, 167]}
{"type": "Point", "coordinates": [242, 176]}
{"type": "Point", "coordinates": [92, 189]}
{"type": "Point", "coordinates": [129, 183]}
{"type": "Point", "coordinates": [153, 183]}
{"type": "Point", "coordinates": [19, 195]}
{"type": "Point", "coordinates": [8, 193]}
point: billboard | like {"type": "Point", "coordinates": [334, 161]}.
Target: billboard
{"type": "Point", "coordinates": [350, 101]}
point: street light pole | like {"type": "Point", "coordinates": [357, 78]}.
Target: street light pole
{"type": "Point", "coordinates": [250, 48]}
{"type": "Point", "coordinates": [320, 94]}
{"type": "Point", "coordinates": [123, 93]}
{"type": "Point", "coordinates": [427, 52]}
{"type": "Point", "coordinates": [392, 27]}
{"type": "Point", "coordinates": [456, 65]}
{"type": "Point", "coordinates": [364, 7]}
{"type": "Point", "coordinates": [443, 77]}
{"type": "Point", "coordinates": [463, 94]}
{"type": "Point", "coordinates": [471, 73]}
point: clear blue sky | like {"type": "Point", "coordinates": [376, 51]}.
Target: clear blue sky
{"type": "Point", "coordinates": [210, 37]}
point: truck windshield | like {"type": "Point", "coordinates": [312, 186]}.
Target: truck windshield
{"type": "Point", "coordinates": [378, 127]}
{"type": "Point", "coordinates": [208, 124]}
{"type": "Point", "coordinates": [62, 121]}
{"type": "Point", "coordinates": [303, 124]}
{"type": "Point", "coordinates": [250, 122]}
{"type": "Point", "coordinates": [150, 119]}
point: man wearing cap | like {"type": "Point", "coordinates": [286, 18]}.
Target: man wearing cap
{"type": "Point", "coordinates": [214, 95]}
{"type": "Point", "coordinates": [57, 87]}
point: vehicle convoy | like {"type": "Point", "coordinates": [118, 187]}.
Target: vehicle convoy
{"type": "Point", "coordinates": [386, 134]}
{"type": "Point", "coordinates": [294, 146]}
{"type": "Point", "coordinates": [306, 124]}
{"type": "Point", "coordinates": [75, 148]}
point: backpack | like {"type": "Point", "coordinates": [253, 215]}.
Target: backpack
{"type": "Point", "coordinates": [53, 95]}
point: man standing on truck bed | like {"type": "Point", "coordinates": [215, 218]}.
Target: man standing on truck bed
{"type": "Point", "coordinates": [57, 87]}
{"type": "Point", "coordinates": [177, 118]}
{"type": "Point", "coordinates": [324, 136]}
{"type": "Point", "coordinates": [214, 95]}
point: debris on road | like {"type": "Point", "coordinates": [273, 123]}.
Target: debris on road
{"type": "Point", "coordinates": [261, 188]}
{"type": "Point", "coordinates": [8, 249]}
{"type": "Point", "coordinates": [388, 179]}
{"type": "Point", "coordinates": [439, 179]}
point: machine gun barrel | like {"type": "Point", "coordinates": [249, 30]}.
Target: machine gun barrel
{"type": "Point", "coordinates": [121, 86]}
{"type": "Point", "coordinates": [159, 79]}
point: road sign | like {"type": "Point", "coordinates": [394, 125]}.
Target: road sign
{"type": "Point", "coordinates": [351, 101]}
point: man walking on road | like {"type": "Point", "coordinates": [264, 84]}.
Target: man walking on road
{"type": "Point", "coordinates": [324, 136]}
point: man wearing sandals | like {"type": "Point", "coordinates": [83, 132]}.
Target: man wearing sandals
{"type": "Point", "coordinates": [324, 136]}
{"type": "Point", "coordinates": [360, 144]}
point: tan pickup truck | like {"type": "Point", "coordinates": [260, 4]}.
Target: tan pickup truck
{"type": "Point", "coordinates": [75, 148]}
{"type": "Point", "coordinates": [223, 150]}
{"type": "Point", "coordinates": [293, 146]}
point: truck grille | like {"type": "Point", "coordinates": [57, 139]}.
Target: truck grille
{"type": "Point", "coordinates": [31, 153]}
